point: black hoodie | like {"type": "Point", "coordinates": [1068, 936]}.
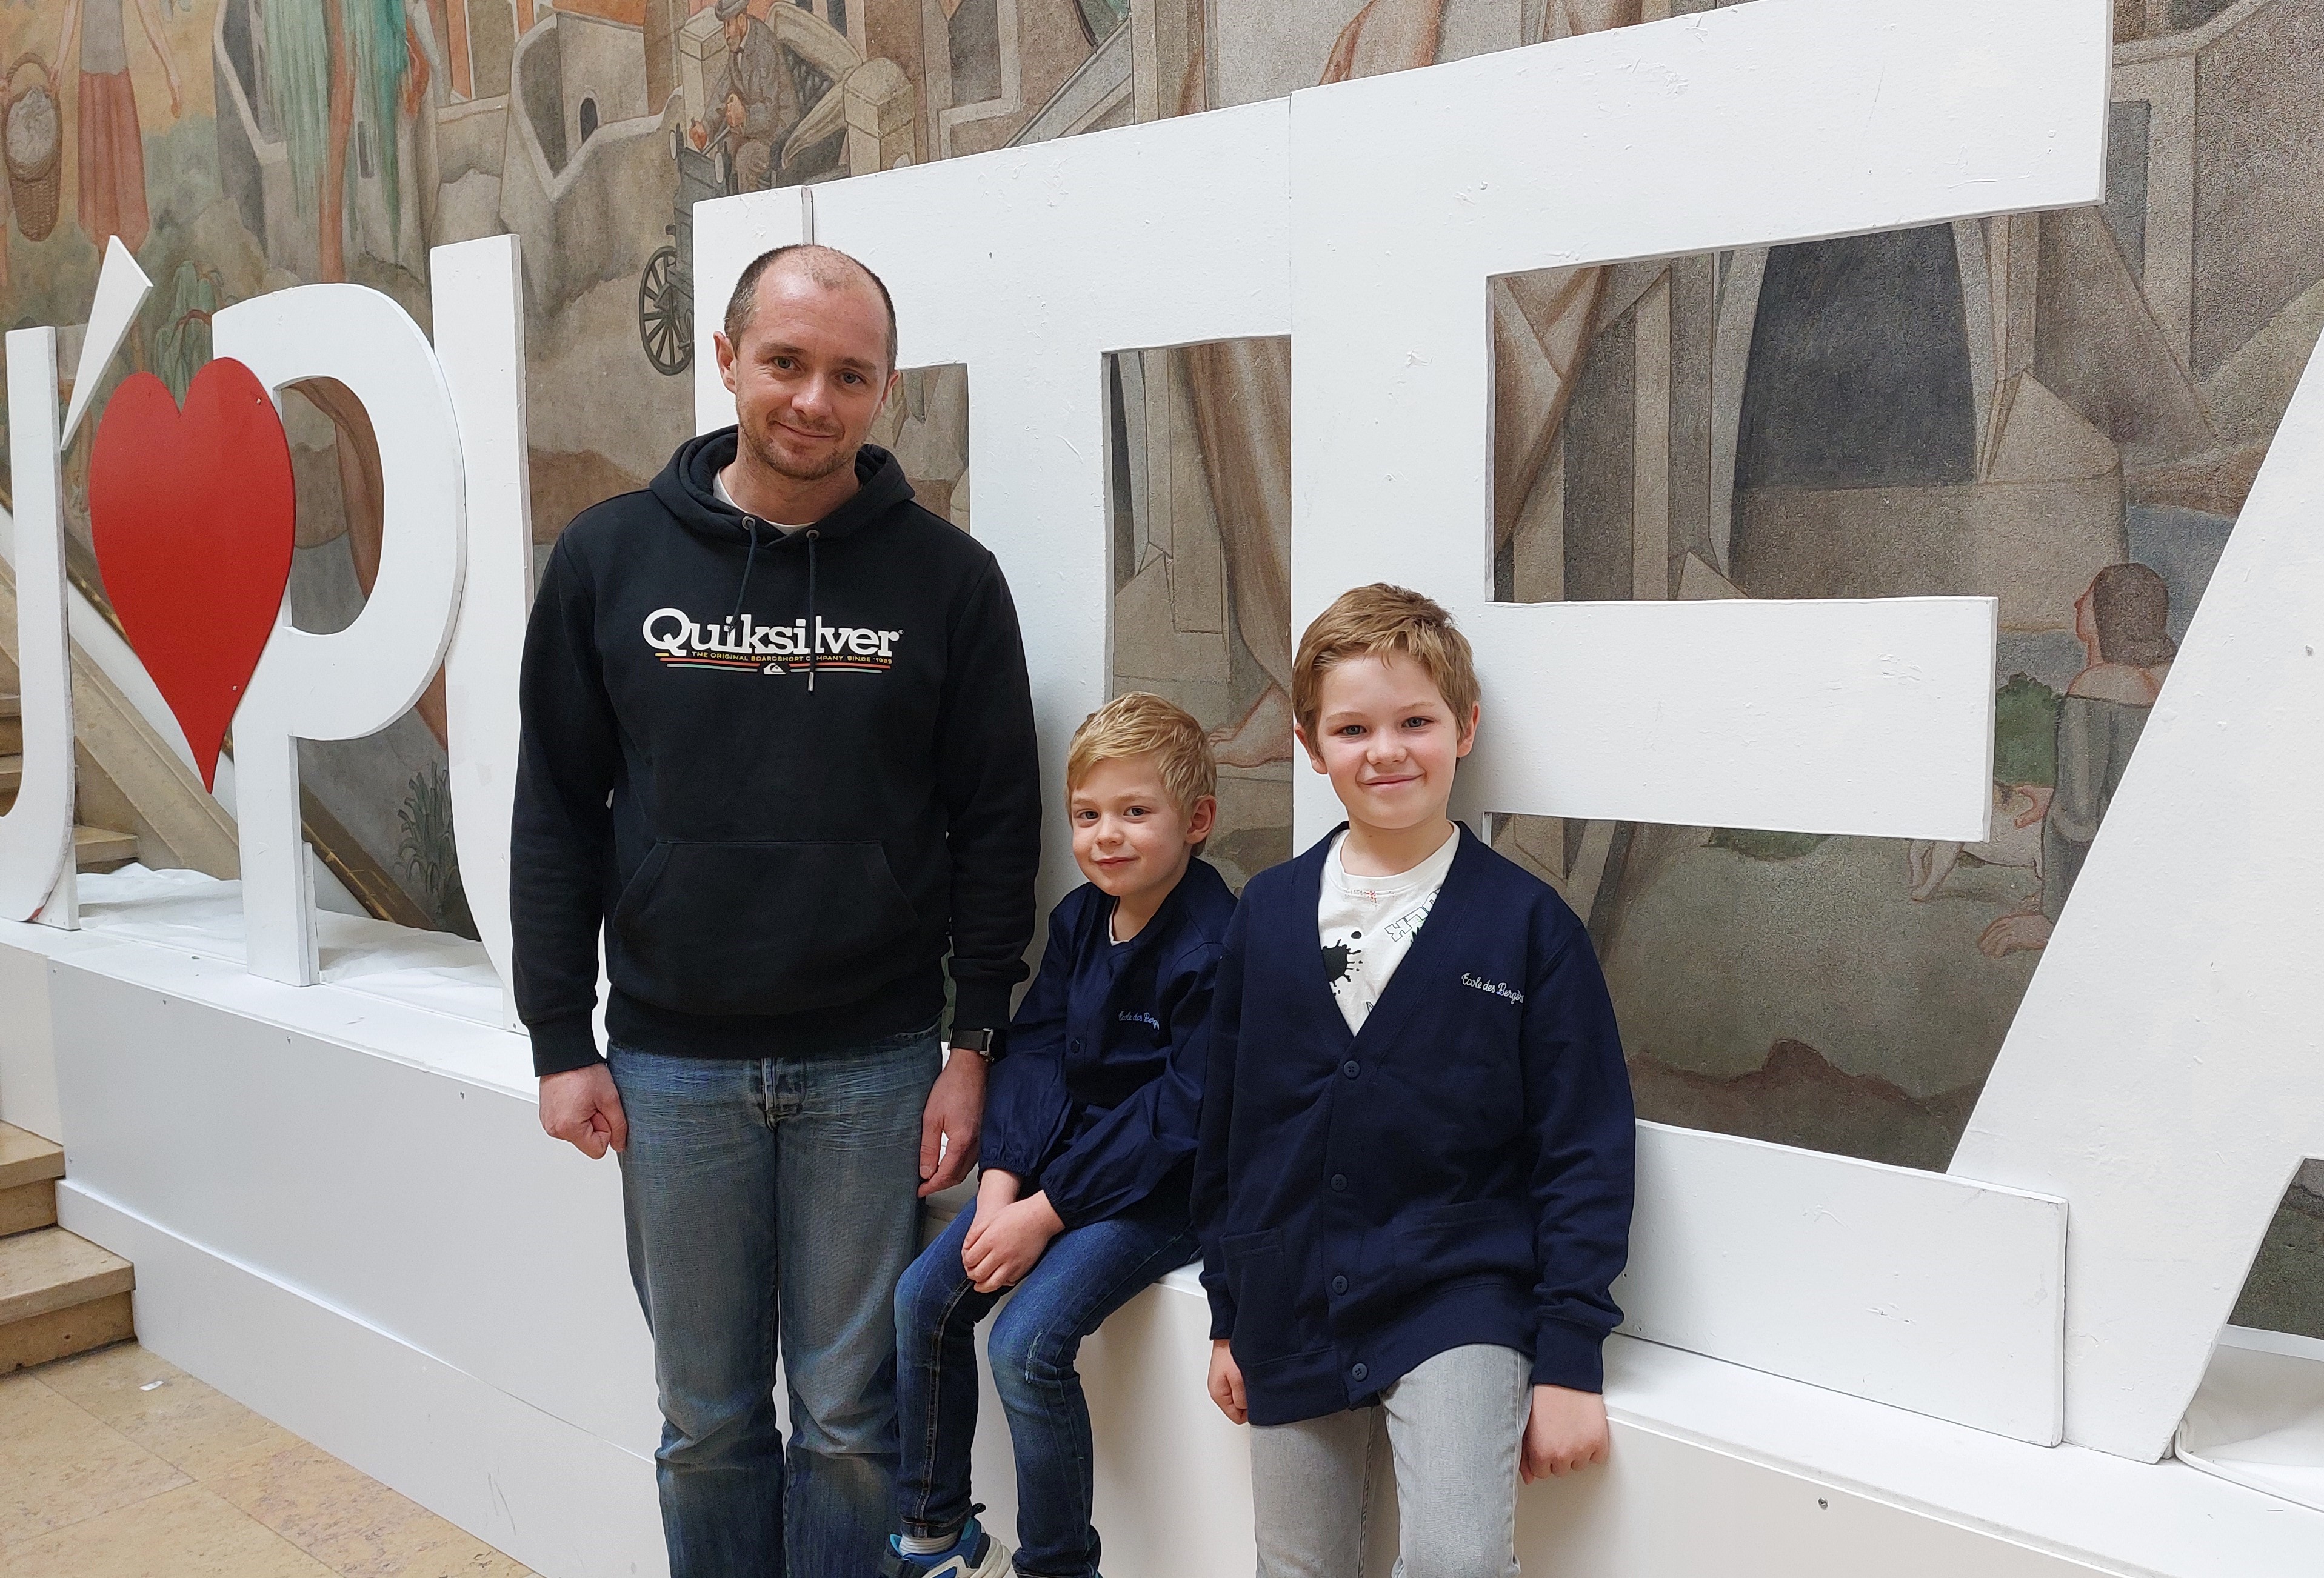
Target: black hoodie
{"type": "Point", "coordinates": [780, 838]}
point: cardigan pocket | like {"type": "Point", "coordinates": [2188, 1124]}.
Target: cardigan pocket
{"type": "Point", "coordinates": [1258, 1276]}
{"type": "Point", "coordinates": [1443, 1243]}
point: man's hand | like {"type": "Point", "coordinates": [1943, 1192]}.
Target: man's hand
{"type": "Point", "coordinates": [1226, 1382]}
{"type": "Point", "coordinates": [1001, 1247]}
{"type": "Point", "coordinates": [951, 1122]}
{"type": "Point", "coordinates": [1566, 1432]}
{"type": "Point", "coordinates": [581, 1105]}
{"type": "Point", "coordinates": [736, 113]}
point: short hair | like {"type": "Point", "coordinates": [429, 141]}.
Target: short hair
{"type": "Point", "coordinates": [1380, 621]}
{"type": "Point", "coordinates": [827, 266]}
{"type": "Point", "coordinates": [2130, 605]}
{"type": "Point", "coordinates": [1137, 723]}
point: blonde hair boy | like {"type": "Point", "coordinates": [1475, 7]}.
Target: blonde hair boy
{"type": "Point", "coordinates": [1136, 723]}
{"type": "Point", "coordinates": [1380, 621]}
{"type": "Point", "coordinates": [1090, 1123]}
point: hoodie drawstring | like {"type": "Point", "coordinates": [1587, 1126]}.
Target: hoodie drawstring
{"type": "Point", "coordinates": [814, 634]}
{"type": "Point", "coordinates": [750, 560]}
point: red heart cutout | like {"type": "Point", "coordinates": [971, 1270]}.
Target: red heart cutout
{"type": "Point", "coordinates": [193, 515]}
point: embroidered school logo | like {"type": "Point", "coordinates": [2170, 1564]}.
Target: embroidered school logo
{"type": "Point", "coordinates": [1493, 988]}
{"type": "Point", "coordinates": [741, 643]}
{"type": "Point", "coordinates": [1139, 1016]}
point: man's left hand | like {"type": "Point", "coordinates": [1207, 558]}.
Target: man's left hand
{"type": "Point", "coordinates": [952, 1122]}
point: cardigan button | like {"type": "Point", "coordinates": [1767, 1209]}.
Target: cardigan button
{"type": "Point", "coordinates": [1339, 1284]}
{"type": "Point", "coordinates": [1339, 1183]}
{"type": "Point", "coordinates": [1360, 1370]}
{"type": "Point", "coordinates": [1351, 1068]}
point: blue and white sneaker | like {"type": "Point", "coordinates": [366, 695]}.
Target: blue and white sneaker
{"type": "Point", "coordinates": [974, 1554]}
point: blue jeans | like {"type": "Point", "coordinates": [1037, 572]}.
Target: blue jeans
{"type": "Point", "coordinates": [1088, 1273]}
{"type": "Point", "coordinates": [769, 1199]}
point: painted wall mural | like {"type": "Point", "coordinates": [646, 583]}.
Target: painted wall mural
{"type": "Point", "coordinates": [2061, 410]}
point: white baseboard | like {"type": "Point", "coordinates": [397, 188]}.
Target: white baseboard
{"type": "Point", "coordinates": [565, 1503]}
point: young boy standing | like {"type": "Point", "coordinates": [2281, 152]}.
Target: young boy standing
{"type": "Point", "coordinates": [1413, 1179]}
{"type": "Point", "coordinates": [1088, 1140]}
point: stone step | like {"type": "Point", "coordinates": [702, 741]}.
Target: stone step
{"type": "Point", "coordinates": [30, 1167]}
{"type": "Point", "coordinates": [12, 727]}
{"type": "Point", "coordinates": [102, 849]}
{"type": "Point", "coordinates": [59, 1294]}
{"type": "Point", "coordinates": [11, 773]}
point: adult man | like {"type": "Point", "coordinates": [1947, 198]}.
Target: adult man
{"type": "Point", "coordinates": [754, 101]}
{"type": "Point", "coordinates": [778, 742]}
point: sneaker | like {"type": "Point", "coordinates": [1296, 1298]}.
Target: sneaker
{"type": "Point", "coordinates": [974, 1554]}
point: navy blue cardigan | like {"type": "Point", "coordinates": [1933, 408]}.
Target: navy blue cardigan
{"type": "Point", "coordinates": [1096, 1098]}
{"type": "Point", "coordinates": [1460, 1172]}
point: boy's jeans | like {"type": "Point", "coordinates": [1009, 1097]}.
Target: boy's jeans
{"type": "Point", "coordinates": [1454, 1426]}
{"type": "Point", "coordinates": [768, 1196]}
{"type": "Point", "coordinates": [1088, 1273]}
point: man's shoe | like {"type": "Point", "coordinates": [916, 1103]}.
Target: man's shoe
{"type": "Point", "coordinates": [974, 1554]}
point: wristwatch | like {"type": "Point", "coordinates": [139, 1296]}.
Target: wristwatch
{"type": "Point", "coordinates": [978, 1042]}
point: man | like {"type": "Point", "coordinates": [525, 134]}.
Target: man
{"type": "Point", "coordinates": [777, 744]}
{"type": "Point", "coordinates": [755, 102]}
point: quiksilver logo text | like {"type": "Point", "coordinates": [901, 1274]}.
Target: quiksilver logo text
{"type": "Point", "coordinates": [742, 643]}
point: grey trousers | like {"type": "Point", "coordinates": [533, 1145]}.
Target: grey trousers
{"type": "Point", "coordinates": [1454, 1427]}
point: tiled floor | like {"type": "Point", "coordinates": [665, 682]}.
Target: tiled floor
{"type": "Point", "coordinates": [115, 1465]}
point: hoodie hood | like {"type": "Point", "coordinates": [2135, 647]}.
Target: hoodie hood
{"type": "Point", "coordinates": [688, 488]}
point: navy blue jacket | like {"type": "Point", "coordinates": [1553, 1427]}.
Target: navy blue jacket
{"type": "Point", "coordinates": [1098, 1096]}
{"type": "Point", "coordinates": [1459, 1173]}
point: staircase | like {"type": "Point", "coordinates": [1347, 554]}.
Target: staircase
{"type": "Point", "coordinates": [59, 1294]}
{"type": "Point", "coordinates": [94, 849]}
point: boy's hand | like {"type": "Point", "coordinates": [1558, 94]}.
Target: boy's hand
{"type": "Point", "coordinates": [996, 1192]}
{"type": "Point", "coordinates": [1226, 1382]}
{"type": "Point", "coordinates": [1002, 1247]}
{"type": "Point", "coordinates": [1566, 1432]}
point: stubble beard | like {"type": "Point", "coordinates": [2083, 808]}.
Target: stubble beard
{"type": "Point", "coordinates": [766, 455]}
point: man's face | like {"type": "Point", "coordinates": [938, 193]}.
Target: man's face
{"type": "Point", "coordinates": [811, 372]}
{"type": "Point", "coordinates": [738, 28]}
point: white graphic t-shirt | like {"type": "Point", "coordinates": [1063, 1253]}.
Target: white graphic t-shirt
{"type": "Point", "coordinates": [1367, 923]}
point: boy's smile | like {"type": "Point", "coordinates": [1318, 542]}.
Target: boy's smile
{"type": "Point", "coordinates": [1130, 837]}
{"type": "Point", "coordinates": [1388, 740]}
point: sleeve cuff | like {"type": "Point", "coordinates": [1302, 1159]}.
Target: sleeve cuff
{"type": "Point", "coordinates": [979, 1004]}
{"type": "Point", "coordinates": [1222, 1315]}
{"type": "Point", "coordinates": [1569, 1355]}
{"type": "Point", "coordinates": [563, 1043]}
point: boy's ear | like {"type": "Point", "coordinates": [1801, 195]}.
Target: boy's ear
{"type": "Point", "coordinates": [1203, 818]}
{"type": "Point", "coordinates": [1299, 733]}
{"type": "Point", "coordinates": [1468, 733]}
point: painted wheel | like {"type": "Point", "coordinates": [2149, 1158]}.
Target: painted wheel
{"type": "Point", "coordinates": [666, 313]}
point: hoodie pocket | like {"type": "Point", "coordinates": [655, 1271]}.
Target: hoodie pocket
{"type": "Point", "coordinates": [762, 928]}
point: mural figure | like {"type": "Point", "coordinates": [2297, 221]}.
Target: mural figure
{"type": "Point", "coordinates": [2122, 622]}
{"type": "Point", "coordinates": [111, 143]}
{"type": "Point", "coordinates": [755, 104]}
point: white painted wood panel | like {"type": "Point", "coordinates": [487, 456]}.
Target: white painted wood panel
{"type": "Point", "coordinates": [1912, 1288]}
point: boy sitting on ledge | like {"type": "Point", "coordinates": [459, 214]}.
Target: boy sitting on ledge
{"type": "Point", "coordinates": [1089, 1138]}
{"type": "Point", "coordinates": [1414, 1180]}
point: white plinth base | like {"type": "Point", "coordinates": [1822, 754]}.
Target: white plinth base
{"type": "Point", "coordinates": [343, 1213]}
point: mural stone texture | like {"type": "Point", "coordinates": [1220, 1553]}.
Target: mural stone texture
{"type": "Point", "coordinates": [2060, 410]}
